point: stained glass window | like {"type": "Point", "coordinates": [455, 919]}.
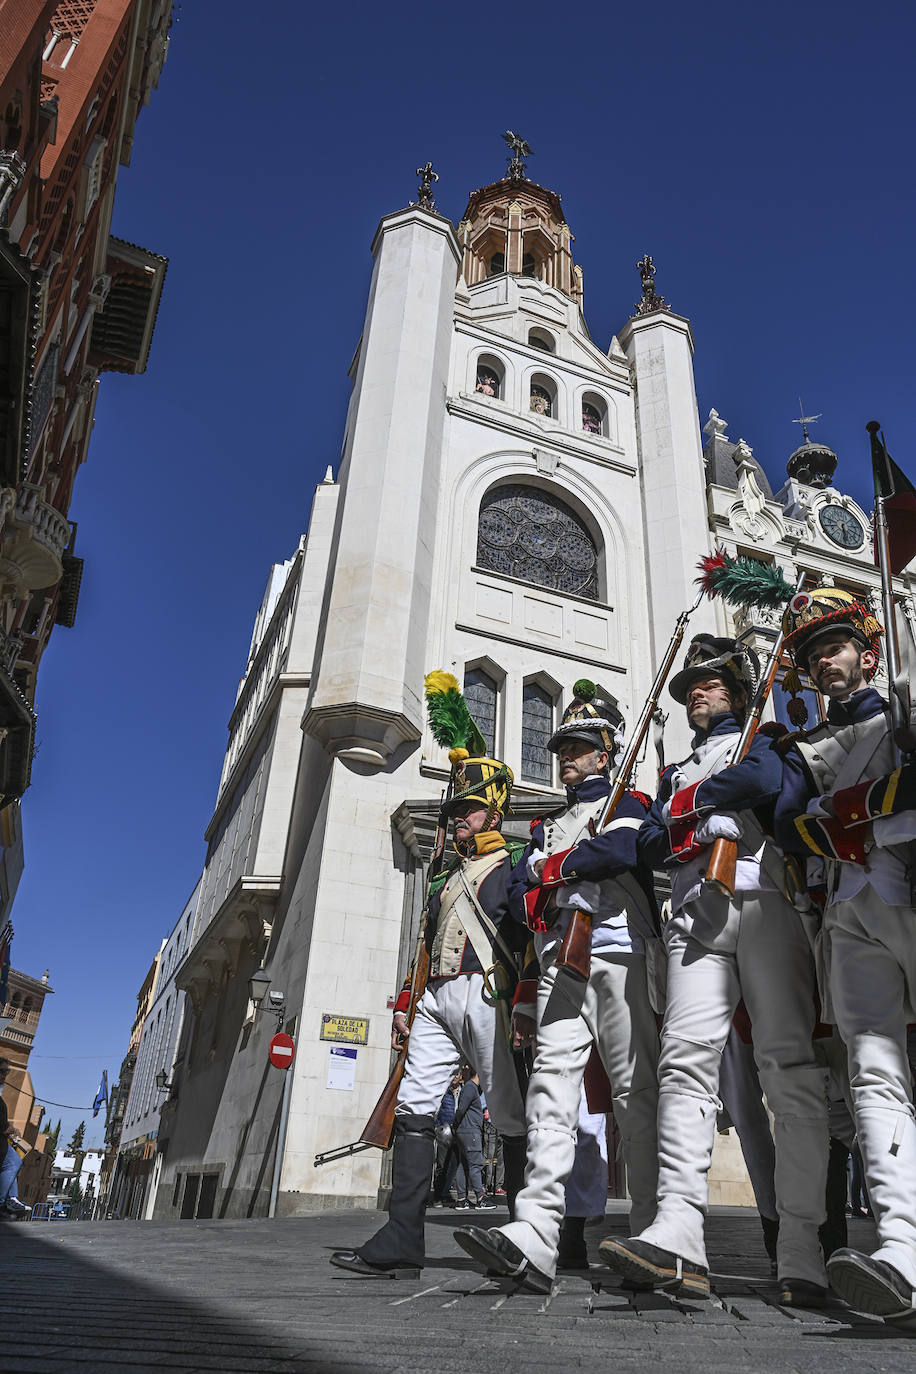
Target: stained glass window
{"type": "Point", "coordinates": [480, 692]}
{"type": "Point", "coordinates": [537, 727]}
{"type": "Point", "coordinates": [529, 533]}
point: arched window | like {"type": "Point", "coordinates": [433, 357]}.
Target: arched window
{"type": "Point", "coordinates": [490, 374]}
{"type": "Point", "coordinates": [496, 265]}
{"type": "Point", "coordinates": [540, 338]}
{"type": "Point", "coordinates": [529, 265]}
{"type": "Point", "coordinates": [529, 533]}
{"type": "Point", "coordinates": [481, 693]}
{"type": "Point", "coordinates": [537, 727]}
{"type": "Point", "coordinates": [594, 414]}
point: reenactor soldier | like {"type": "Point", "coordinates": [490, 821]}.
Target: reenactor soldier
{"type": "Point", "coordinates": [475, 949]}
{"type": "Point", "coordinates": [720, 949]}
{"type": "Point", "coordinates": [570, 866]}
{"type": "Point", "coordinates": [848, 801]}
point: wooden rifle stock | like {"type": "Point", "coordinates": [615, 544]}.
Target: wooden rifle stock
{"type": "Point", "coordinates": [379, 1129]}
{"type": "Point", "coordinates": [723, 861]}
{"type": "Point", "coordinates": [575, 952]}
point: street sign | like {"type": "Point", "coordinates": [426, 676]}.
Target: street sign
{"type": "Point", "coordinates": [348, 1030]}
{"type": "Point", "coordinates": [282, 1049]}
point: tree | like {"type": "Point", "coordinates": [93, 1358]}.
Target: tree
{"type": "Point", "coordinates": [79, 1135]}
{"type": "Point", "coordinates": [53, 1138]}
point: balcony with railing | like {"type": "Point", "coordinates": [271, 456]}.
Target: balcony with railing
{"type": "Point", "coordinates": [32, 542]}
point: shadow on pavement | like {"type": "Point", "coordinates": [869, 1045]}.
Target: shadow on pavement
{"type": "Point", "coordinates": [63, 1310]}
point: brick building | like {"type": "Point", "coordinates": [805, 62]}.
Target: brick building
{"type": "Point", "coordinates": [19, 1016]}
{"type": "Point", "coordinates": [74, 302]}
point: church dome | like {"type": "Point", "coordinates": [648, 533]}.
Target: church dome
{"type": "Point", "coordinates": [515, 226]}
{"type": "Point", "coordinates": [812, 464]}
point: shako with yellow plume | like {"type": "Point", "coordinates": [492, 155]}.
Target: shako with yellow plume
{"type": "Point", "coordinates": [475, 776]}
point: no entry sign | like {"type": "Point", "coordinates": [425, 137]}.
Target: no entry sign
{"type": "Point", "coordinates": [282, 1049]}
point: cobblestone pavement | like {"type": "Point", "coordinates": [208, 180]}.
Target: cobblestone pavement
{"type": "Point", "coordinates": [251, 1296]}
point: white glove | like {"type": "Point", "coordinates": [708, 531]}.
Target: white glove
{"type": "Point", "coordinates": [585, 896]}
{"type": "Point", "coordinates": [894, 829]}
{"type": "Point", "coordinates": [677, 782]}
{"type": "Point", "coordinates": [535, 857]}
{"type": "Point", "coordinates": [719, 825]}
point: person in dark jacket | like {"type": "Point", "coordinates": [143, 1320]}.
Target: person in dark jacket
{"type": "Point", "coordinates": [849, 803]}
{"type": "Point", "coordinates": [572, 865]}
{"type": "Point", "coordinates": [720, 950]}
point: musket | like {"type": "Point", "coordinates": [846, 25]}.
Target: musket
{"type": "Point", "coordinates": [575, 949]}
{"type": "Point", "coordinates": [723, 862]}
{"type": "Point", "coordinates": [379, 1129]}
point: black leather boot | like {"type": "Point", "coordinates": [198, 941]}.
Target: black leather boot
{"type": "Point", "coordinates": [833, 1234]}
{"type": "Point", "coordinates": [400, 1244]}
{"type": "Point", "coordinates": [515, 1149]}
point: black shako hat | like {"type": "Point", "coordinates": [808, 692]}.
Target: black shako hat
{"type": "Point", "coordinates": [716, 656]}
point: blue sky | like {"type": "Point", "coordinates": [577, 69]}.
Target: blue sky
{"type": "Point", "coordinates": [762, 155]}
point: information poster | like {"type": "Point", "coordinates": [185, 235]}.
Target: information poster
{"type": "Point", "coordinates": [342, 1068]}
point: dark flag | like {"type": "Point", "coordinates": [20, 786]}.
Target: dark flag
{"type": "Point", "coordinates": [899, 505]}
{"type": "Point", "coordinates": [101, 1097]}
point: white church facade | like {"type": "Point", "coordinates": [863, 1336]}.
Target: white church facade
{"type": "Point", "coordinates": [514, 505]}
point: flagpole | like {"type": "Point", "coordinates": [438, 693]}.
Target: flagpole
{"type": "Point", "coordinates": [903, 732]}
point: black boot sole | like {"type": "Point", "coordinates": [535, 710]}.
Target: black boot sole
{"type": "Point", "coordinates": [495, 1265]}
{"type": "Point", "coordinates": [864, 1289]}
{"type": "Point", "coordinates": [364, 1270]}
{"type": "Point", "coordinates": [643, 1271]}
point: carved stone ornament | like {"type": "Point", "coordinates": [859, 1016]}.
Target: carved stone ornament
{"type": "Point", "coordinates": [425, 189]}
{"type": "Point", "coordinates": [519, 149]}
{"type": "Point", "coordinates": [651, 300]}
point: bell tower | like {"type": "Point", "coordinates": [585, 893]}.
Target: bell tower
{"type": "Point", "coordinates": [518, 227]}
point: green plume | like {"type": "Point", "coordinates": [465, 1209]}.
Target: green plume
{"type": "Point", "coordinates": [451, 722]}
{"type": "Point", "coordinates": [744, 581]}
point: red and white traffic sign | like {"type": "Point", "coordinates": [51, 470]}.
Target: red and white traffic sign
{"type": "Point", "coordinates": [282, 1049]}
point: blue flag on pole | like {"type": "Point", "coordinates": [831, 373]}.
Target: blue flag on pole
{"type": "Point", "coordinates": [101, 1097]}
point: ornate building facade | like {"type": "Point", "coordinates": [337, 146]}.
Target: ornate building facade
{"type": "Point", "coordinates": [74, 302]}
{"type": "Point", "coordinates": [514, 504]}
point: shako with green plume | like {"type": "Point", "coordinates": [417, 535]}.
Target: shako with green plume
{"type": "Point", "coordinates": [475, 776]}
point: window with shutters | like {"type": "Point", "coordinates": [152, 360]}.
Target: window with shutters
{"type": "Point", "coordinates": [529, 533]}
{"type": "Point", "coordinates": [537, 727]}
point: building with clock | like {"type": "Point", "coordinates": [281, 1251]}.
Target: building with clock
{"type": "Point", "coordinates": [515, 503]}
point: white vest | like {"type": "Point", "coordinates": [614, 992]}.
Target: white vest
{"type": "Point", "coordinates": [455, 910]}
{"type": "Point", "coordinates": [840, 758]}
{"type": "Point", "coordinates": [760, 864]}
{"type": "Point", "coordinates": [610, 926]}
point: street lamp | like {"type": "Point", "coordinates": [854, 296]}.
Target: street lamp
{"type": "Point", "coordinates": [162, 1081]}
{"type": "Point", "coordinates": [258, 984]}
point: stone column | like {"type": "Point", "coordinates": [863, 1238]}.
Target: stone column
{"type": "Point", "coordinates": [659, 347]}
{"type": "Point", "coordinates": [367, 697]}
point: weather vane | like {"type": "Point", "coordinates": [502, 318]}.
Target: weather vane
{"type": "Point", "coordinates": [425, 189]}
{"type": "Point", "coordinates": [519, 149]}
{"type": "Point", "coordinates": [805, 420]}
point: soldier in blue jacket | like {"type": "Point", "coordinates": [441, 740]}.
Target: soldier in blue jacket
{"type": "Point", "coordinates": [849, 802]}
{"type": "Point", "coordinates": [720, 950]}
{"type": "Point", "coordinates": [571, 864]}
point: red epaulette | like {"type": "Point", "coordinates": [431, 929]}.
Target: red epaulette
{"type": "Point", "coordinates": [640, 797]}
{"type": "Point", "coordinates": [538, 820]}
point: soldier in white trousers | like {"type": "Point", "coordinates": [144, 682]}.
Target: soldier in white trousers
{"type": "Point", "coordinates": [721, 950]}
{"type": "Point", "coordinates": [469, 932]}
{"type": "Point", "coordinates": [569, 866]}
{"type": "Point", "coordinates": [847, 800]}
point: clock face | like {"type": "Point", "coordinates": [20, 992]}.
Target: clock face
{"type": "Point", "coordinates": [840, 525]}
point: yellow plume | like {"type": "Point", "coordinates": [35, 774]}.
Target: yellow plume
{"type": "Point", "coordinates": [440, 681]}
